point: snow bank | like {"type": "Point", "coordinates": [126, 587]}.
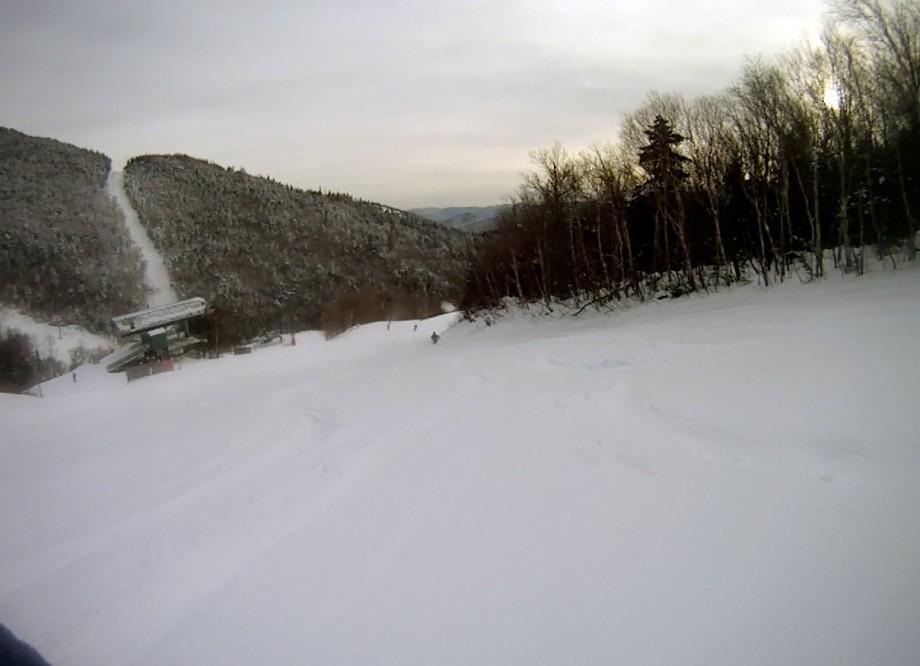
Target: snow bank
{"type": "Point", "coordinates": [719, 480]}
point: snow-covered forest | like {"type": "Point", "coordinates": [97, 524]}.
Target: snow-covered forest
{"type": "Point", "coordinates": [65, 255]}
{"type": "Point", "coordinates": [270, 256]}
{"type": "Point", "coordinates": [66, 259]}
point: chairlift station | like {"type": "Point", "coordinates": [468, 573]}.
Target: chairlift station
{"type": "Point", "coordinates": [156, 334]}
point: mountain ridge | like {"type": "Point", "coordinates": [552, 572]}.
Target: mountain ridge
{"type": "Point", "coordinates": [472, 219]}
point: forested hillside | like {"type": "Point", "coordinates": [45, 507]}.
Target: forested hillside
{"type": "Point", "coordinates": [272, 256]}
{"type": "Point", "coordinates": [64, 252]}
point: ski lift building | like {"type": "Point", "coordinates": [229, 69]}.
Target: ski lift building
{"type": "Point", "coordinates": [156, 333]}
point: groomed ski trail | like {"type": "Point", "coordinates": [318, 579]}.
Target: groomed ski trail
{"type": "Point", "coordinates": [155, 273]}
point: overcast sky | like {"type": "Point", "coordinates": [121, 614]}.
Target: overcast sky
{"type": "Point", "coordinates": [411, 103]}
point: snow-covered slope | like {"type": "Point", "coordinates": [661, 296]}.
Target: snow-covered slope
{"type": "Point", "coordinates": [156, 274]}
{"type": "Point", "coordinates": [721, 480]}
{"type": "Point", "coordinates": [65, 344]}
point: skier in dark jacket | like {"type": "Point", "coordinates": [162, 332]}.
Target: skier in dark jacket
{"type": "Point", "coordinates": [435, 337]}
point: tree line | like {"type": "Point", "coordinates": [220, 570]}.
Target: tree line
{"type": "Point", "coordinates": [807, 163]}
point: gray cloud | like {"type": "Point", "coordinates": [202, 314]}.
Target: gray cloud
{"type": "Point", "coordinates": [411, 103]}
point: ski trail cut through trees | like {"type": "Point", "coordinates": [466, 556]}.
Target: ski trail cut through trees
{"type": "Point", "coordinates": [155, 273]}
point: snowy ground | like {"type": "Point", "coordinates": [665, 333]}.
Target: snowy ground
{"type": "Point", "coordinates": [156, 275]}
{"type": "Point", "coordinates": [58, 342]}
{"type": "Point", "coordinates": [732, 479]}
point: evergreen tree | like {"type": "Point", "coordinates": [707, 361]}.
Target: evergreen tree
{"type": "Point", "coordinates": [659, 158]}
{"type": "Point", "coordinates": [665, 168]}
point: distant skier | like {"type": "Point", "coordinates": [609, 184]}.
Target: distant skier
{"type": "Point", "coordinates": [415, 328]}
{"type": "Point", "coordinates": [435, 337]}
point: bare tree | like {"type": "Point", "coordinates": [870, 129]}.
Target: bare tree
{"type": "Point", "coordinates": [807, 73]}
{"type": "Point", "coordinates": [611, 178]}
{"type": "Point", "coordinates": [891, 31]}
{"type": "Point", "coordinates": [710, 145]}
{"type": "Point", "coordinates": [556, 185]}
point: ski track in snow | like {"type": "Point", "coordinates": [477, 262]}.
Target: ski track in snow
{"type": "Point", "coordinates": [156, 275]}
{"type": "Point", "coordinates": [693, 482]}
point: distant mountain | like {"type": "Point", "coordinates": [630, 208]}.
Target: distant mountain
{"type": "Point", "coordinates": [272, 256]}
{"type": "Point", "coordinates": [65, 255]}
{"type": "Point", "coordinates": [465, 218]}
